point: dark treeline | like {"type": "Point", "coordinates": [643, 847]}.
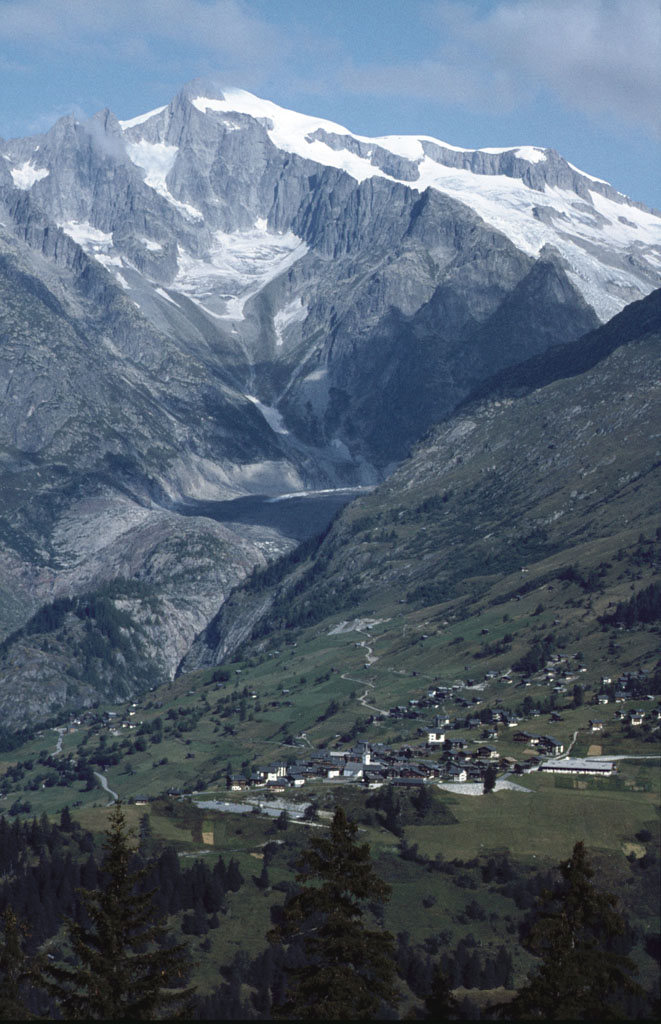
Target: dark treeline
{"type": "Point", "coordinates": [42, 866]}
{"type": "Point", "coordinates": [644, 607]}
{"type": "Point", "coordinates": [50, 873]}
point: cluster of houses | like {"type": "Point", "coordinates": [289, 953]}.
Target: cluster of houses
{"type": "Point", "coordinates": [441, 754]}
{"type": "Point", "coordinates": [546, 744]}
{"type": "Point", "coordinates": [373, 764]}
{"type": "Point", "coordinates": [113, 721]}
{"type": "Point", "coordinates": [633, 716]}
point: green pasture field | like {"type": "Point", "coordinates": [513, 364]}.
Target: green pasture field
{"type": "Point", "coordinates": [543, 824]}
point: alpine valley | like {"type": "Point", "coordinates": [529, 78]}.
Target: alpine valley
{"type": "Point", "coordinates": [220, 321]}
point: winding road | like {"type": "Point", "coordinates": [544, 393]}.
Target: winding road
{"type": "Point", "coordinates": [61, 731]}
{"type": "Point", "coordinates": [370, 658]}
{"type": "Point", "coordinates": [104, 785]}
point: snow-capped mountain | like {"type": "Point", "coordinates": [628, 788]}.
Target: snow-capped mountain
{"type": "Point", "coordinates": [532, 195]}
{"type": "Point", "coordinates": [223, 297]}
{"type": "Point", "coordinates": [289, 238]}
{"type": "Point", "coordinates": [286, 241]}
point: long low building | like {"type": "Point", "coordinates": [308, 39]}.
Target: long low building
{"type": "Point", "coordinates": [579, 766]}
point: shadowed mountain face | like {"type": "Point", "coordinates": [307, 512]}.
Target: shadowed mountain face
{"type": "Point", "coordinates": [564, 471]}
{"type": "Point", "coordinates": [222, 298]}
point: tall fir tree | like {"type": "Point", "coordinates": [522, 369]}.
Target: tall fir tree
{"type": "Point", "coordinates": [124, 970]}
{"type": "Point", "coordinates": [440, 1003]}
{"type": "Point", "coordinates": [490, 779]}
{"type": "Point", "coordinates": [582, 976]}
{"type": "Point", "coordinates": [18, 971]}
{"type": "Point", "coordinates": [348, 968]}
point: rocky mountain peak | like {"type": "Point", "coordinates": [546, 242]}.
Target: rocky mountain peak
{"type": "Point", "coordinates": [220, 298]}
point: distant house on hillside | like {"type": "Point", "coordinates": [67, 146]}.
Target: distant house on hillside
{"type": "Point", "coordinates": [551, 745]}
{"type": "Point", "coordinates": [435, 733]}
{"type": "Point", "coordinates": [487, 751]}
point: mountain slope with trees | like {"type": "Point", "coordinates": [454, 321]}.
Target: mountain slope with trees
{"type": "Point", "coordinates": [568, 472]}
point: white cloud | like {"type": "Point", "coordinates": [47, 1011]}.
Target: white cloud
{"type": "Point", "coordinates": [597, 56]}
{"type": "Point", "coordinates": [225, 28]}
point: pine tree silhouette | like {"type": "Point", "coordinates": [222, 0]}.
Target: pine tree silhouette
{"type": "Point", "coordinates": [348, 969]}
{"type": "Point", "coordinates": [18, 971]}
{"type": "Point", "coordinates": [124, 970]}
{"type": "Point", "coordinates": [582, 975]}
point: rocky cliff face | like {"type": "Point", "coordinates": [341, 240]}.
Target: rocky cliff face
{"type": "Point", "coordinates": [221, 298]}
{"type": "Point", "coordinates": [280, 251]}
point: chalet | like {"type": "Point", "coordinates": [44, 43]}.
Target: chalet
{"type": "Point", "coordinates": [551, 745]}
{"type": "Point", "coordinates": [296, 779]}
{"type": "Point", "coordinates": [526, 737]}
{"type": "Point", "coordinates": [456, 773]}
{"type": "Point", "coordinates": [413, 771]}
{"type": "Point", "coordinates": [435, 735]}
{"type": "Point", "coordinates": [596, 726]}
{"type": "Point", "coordinates": [458, 744]}
{"type": "Point", "coordinates": [486, 751]}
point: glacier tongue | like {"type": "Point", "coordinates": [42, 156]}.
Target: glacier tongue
{"type": "Point", "coordinates": [236, 267]}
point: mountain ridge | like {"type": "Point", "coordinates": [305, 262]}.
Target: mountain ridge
{"type": "Point", "coordinates": [192, 313]}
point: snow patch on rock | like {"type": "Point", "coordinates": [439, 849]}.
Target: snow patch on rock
{"type": "Point", "coordinates": [294, 312]}
{"type": "Point", "coordinates": [271, 415]}
{"type": "Point", "coordinates": [25, 176]}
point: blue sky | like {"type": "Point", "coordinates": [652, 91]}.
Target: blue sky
{"type": "Point", "coordinates": [581, 76]}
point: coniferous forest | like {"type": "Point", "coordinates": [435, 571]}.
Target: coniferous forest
{"type": "Point", "coordinates": [109, 929]}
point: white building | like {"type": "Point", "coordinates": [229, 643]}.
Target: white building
{"type": "Point", "coordinates": [579, 766]}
